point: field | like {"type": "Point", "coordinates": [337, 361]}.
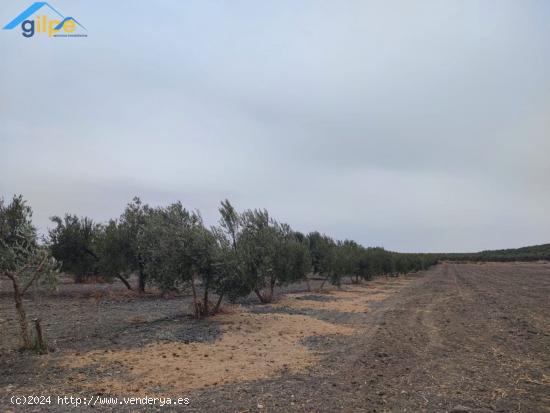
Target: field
{"type": "Point", "coordinates": [459, 337]}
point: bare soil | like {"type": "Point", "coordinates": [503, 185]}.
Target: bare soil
{"type": "Point", "coordinates": [456, 338]}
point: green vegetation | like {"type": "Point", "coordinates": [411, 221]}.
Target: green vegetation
{"type": "Point", "coordinates": [170, 247]}
{"type": "Point", "coordinates": [248, 252]}
{"type": "Point", "coordinates": [24, 262]}
{"type": "Point", "coordinates": [73, 241]}
{"type": "Point", "coordinates": [531, 253]}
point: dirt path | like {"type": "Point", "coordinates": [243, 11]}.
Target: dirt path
{"type": "Point", "coordinates": [460, 337]}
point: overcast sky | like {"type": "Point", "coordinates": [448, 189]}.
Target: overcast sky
{"type": "Point", "coordinates": [417, 126]}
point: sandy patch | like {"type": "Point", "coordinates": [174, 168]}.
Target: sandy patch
{"type": "Point", "coordinates": [252, 346]}
{"type": "Point", "coordinates": [343, 301]}
{"type": "Point", "coordinates": [354, 299]}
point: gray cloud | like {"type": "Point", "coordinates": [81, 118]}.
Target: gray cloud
{"type": "Point", "coordinates": [417, 126]}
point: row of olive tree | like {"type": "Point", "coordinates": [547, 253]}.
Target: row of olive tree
{"type": "Point", "coordinates": [170, 247]}
{"type": "Point", "coordinates": [114, 249]}
{"type": "Point", "coordinates": [248, 252]}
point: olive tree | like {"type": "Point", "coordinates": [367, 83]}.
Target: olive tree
{"type": "Point", "coordinates": [85, 248]}
{"type": "Point", "coordinates": [236, 282]}
{"type": "Point", "coordinates": [132, 225]}
{"type": "Point", "coordinates": [121, 245]}
{"type": "Point", "coordinates": [268, 253]}
{"type": "Point", "coordinates": [114, 249]}
{"type": "Point", "coordinates": [22, 260]}
{"type": "Point", "coordinates": [348, 259]}
{"type": "Point", "coordinates": [180, 250]}
{"type": "Point", "coordinates": [292, 261]}
{"type": "Point", "coordinates": [73, 243]}
{"type": "Point", "coordinates": [323, 258]}
{"type": "Point", "coordinates": [256, 251]}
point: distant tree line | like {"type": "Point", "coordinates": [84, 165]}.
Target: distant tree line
{"type": "Point", "coordinates": [531, 253]}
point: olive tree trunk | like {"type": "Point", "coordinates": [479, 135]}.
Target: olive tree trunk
{"type": "Point", "coordinates": [125, 282]}
{"type": "Point", "coordinates": [19, 291]}
{"type": "Point", "coordinates": [21, 314]}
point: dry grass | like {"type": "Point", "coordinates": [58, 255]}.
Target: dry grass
{"type": "Point", "coordinates": [252, 346]}
{"type": "Point", "coordinates": [352, 299]}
